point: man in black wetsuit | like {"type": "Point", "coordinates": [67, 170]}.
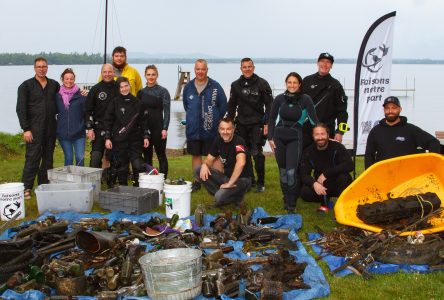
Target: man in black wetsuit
{"type": "Point", "coordinates": [97, 102]}
{"type": "Point", "coordinates": [36, 111]}
{"type": "Point", "coordinates": [230, 184]}
{"type": "Point", "coordinates": [325, 168]}
{"type": "Point", "coordinates": [328, 98]}
{"type": "Point", "coordinates": [251, 98]}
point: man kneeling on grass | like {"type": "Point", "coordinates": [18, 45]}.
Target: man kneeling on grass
{"type": "Point", "coordinates": [325, 168]}
{"type": "Point", "coordinates": [230, 184]}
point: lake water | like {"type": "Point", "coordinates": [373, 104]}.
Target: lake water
{"type": "Point", "coordinates": [424, 107]}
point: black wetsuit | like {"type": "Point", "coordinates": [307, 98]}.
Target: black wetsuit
{"type": "Point", "coordinates": [36, 110]}
{"type": "Point", "coordinates": [156, 102]}
{"type": "Point", "coordinates": [330, 102]}
{"type": "Point", "coordinates": [251, 98]}
{"type": "Point", "coordinates": [97, 102]}
{"type": "Point", "coordinates": [288, 112]}
{"type": "Point", "coordinates": [334, 162]}
{"type": "Point", "coordinates": [125, 123]}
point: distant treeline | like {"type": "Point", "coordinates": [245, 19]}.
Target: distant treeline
{"type": "Point", "coordinates": [75, 58]}
{"type": "Point", "coordinates": [53, 58]}
{"type": "Point", "coordinates": [271, 60]}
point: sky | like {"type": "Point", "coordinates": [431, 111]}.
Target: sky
{"type": "Point", "coordinates": [221, 28]}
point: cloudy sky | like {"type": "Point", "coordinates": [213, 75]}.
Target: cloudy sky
{"type": "Point", "coordinates": [221, 28]}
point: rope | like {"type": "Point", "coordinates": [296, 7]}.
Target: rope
{"type": "Point", "coordinates": [427, 201]}
{"type": "Point", "coordinates": [422, 206]}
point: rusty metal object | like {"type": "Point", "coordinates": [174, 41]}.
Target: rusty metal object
{"type": "Point", "coordinates": [72, 286]}
{"type": "Point", "coordinates": [271, 290]}
{"type": "Point", "coordinates": [95, 242]}
{"type": "Point", "coordinates": [29, 285]}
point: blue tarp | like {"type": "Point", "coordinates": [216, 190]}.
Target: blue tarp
{"type": "Point", "coordinates": [312, 276]}
{"type": "Point", "coordinates": [376, 267]}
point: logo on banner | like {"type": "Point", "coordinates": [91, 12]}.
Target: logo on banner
{"type": "Point", "coordinates": [374, 57]}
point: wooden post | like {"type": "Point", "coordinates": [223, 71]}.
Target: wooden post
{"type": "Point", "coordinates": [183, 79]}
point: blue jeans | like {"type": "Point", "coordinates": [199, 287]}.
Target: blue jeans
{"type": "Point", "coordinates": [78, 146]}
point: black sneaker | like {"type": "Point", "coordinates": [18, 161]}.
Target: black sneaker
{"type": "Point", "coordinates": [260, 188]}
{"type": "Point", "coordinates": [195, 186]}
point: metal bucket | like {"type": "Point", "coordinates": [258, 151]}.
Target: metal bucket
{"type": "Point", "coordinates": [173, 274]}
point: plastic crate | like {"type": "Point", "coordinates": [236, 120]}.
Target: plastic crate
{"type": "Point", "coordinates": [76, 174]}
{"type": "Point", "coordinates": [61, 197]}
{"type": "Point", "coordinates": [129, 199]}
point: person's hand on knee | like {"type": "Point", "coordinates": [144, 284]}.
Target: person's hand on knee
{"type": "Point", "coordinates": [319, 188]}
{"type": "Point", "coordinates": [204, 172]}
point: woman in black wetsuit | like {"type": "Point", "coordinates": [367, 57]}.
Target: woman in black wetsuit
{"type": "Point", "coordinates": [125, 124]}
{"type": "Point", "coordinates": [289, 111]}
{"type": "Point", "coordinates": [156, 102]}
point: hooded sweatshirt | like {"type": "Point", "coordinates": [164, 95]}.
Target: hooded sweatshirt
{"type": "Point", "coordinates": [385, 141]}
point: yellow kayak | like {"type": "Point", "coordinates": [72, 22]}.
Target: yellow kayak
{"type": "Point", "coordinates": [392, 178]}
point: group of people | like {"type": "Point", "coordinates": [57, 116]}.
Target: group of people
{"type": "Point", "coordinates": [126, 122]}
{"type": "Point", "coordinates": [252, 117]}
{"type": "Point", "coordinates": [123, 120]}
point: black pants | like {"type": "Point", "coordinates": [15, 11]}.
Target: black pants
{"type": "Point", "coordinates": [97, 149]}
{"type": "Point", "coordinates": [224, 196]}
{"type": "Point", "coordinates": [334, 185]}
{"type": "Point", "coordinates": [253, 136]}
{"type": "Point", "coordinates": [159, 146]}
{"type": "Point", "coordinates": [38, 158]}
{"type": "Point", "coordinates": [126, 151]}
{"type": "Point", "coordinates": [288, 152]}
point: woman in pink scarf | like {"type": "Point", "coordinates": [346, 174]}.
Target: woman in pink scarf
{"type": "Point", "coordinates": [70, 119]}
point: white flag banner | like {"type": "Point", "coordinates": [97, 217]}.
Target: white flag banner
{"type": "Point", "coordinates": [372, 80]}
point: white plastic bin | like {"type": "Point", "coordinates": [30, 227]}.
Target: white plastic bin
{"type": "Point", "coordinates": [12, 201]}
{"type": "Point", "coordinates": [152, 182]}
{"type": "Point", "coordinates": [76, 174]}
{"type": "Point", "coordinates": [62, 197]}
{"type": "Point", "coordinates": [177, 199]}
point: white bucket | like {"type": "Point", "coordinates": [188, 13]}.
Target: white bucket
{"type": "Point", "coordinates": [177, 199]}
{"type": "Point", "coordinates": [152, 182]}
{"type": "Point", "coordinates": [12, 200]}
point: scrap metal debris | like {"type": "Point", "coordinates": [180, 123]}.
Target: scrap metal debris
{"type": "Point", "coordinates": [55, 254]}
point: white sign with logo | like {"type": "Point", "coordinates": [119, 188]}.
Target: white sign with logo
{"type": "Point", "coordinates": [372, 84]}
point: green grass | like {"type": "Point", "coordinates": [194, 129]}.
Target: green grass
{"type": "Point", "coordinates": [390, 286]}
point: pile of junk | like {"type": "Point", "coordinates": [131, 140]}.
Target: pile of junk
{"type": "Point", "coordinates": [166, 258]}
{"type": "Point", "coordinates": [394, 214]}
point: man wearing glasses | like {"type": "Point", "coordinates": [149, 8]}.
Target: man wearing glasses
{"type": "Point", "coordinates": [36, 110]}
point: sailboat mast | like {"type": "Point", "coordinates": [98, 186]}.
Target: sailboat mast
{"type": "Point", "coordinates": [106, 30]}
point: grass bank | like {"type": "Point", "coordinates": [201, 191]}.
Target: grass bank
{"type": "Point", "coordinates": [390, 286]}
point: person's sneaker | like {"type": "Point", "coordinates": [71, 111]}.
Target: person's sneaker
{"type": "Point", "coordinates": [195, 186]}
{"type": "Point", "coordinates": [260, 188]}
{"type": "Point", "coordinates": [323, 209]}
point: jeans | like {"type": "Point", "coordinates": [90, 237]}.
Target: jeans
{"type": "Point", "coordinates": [78, 146]}
{"type": "Point", "coordinates": [224, 196]}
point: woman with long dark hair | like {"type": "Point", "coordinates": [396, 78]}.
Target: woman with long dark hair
{"type": "Point", "coordinates": [289, 111]}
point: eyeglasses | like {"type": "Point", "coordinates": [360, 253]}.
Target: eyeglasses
{"type": "Point", "coordinates": [41, 67]}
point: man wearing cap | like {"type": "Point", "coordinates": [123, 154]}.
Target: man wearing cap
{"type": "Point", "coordinates": [328, 98]}
{"type": "Point", "coordinates": [393, 136]}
